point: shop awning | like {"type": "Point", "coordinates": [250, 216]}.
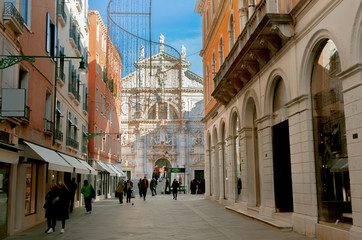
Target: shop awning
{"type": "Point", "coordinates": [119, 168]}
{"type": "Point", "coordinates": [91, 170]}
{"type": "Point", "coordinates": [104, 167]}
{"type": "Point", "coordinates": [56, 162]}
{"type": "Point", "coordinates": [119, 174]}
{"type": "Point", "coordinates": [9, 153]}
{"type": "Point", "coordinates": [341, 165]}
{"type": "Point", "coordinates": [78, 167]}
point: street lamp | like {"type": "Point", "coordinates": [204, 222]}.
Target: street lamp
{"type": "Point", "coordinates": [10, 60]}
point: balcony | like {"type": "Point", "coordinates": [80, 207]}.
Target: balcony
{"type": "Point", "coordinates": [48, 127]}
{"type": "Point", "coordinates": [265, 33]}
{"type": "Point", "coordinates": [72, 143]}
{"type": "Point", "coordinates": [62, 16]}
{"type": "Point", "coordinates": [13, 18]}
{"type": "Point", "coordinates": [58, 135]}
{"type": "Point", "coordinates": [60, 77]}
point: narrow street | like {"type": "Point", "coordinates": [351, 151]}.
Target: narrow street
{"type": "Point", "coordinates": [159, 217]}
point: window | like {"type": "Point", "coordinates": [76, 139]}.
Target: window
{"type": "Point", "coordinates": [212, 8]}
{"type": "Point", "coordinates": [96, 138]}
{"type": "Point", "coordinates": [213, 69]}
{"type": "Point", "coordinates": [162, 110]}
{"type": "Point", "coordinates": [102, 110]}
{"type": "Point", "coordinates": [207, 21]}
{"type": "Point", "coordinates": [30, 188]}
{"type": "Point", "coordinates": [51, 37]}
{"type": "Point", "coordinates": [75, 131]}
{"type": "Point", "coordinates": [84, 139]}
{"type": "Point", "coordinates": [69, 126]}
{"type": "Point", "coordinates": [85, 98]}
{"type": "Point", "coordinates": [96, 98]}
{"type": "Point", "coordinates": [23, 81]}
{"type": "Point", "coordinates": [231, 32]}
{"type": "Point", "coordinates": [97, 32]}
{"type": "Point", "coordinates": [97, 63]}
{"type": "Point", "coordinates": [221, 52]}
{"type": "Point", "coordinates": [48, 109]}
{"type": "Point", "coordinates": [109, 146]}
{"type": "Point", "coordinates": [58, 122]}
{"type": "Point", "coordinates": [329, 129]}
{"type": "Point", "coordinates": [26, 11]}
{"type": "Point", "coordinates": [207, 86]}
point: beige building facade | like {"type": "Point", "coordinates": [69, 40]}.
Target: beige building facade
{"type": "Point", "coordinates": [282, 123]}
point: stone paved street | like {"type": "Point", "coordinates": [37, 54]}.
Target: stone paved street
{"type": "Point", "coordinates": [159, 217]}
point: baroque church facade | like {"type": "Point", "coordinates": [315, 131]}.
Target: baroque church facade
{"type": "Point", "coordinates": [161, 113]}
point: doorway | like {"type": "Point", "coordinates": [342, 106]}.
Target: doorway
{"type": "Point", "coordinates": [283, 191]}
{"type": "Point", "coordinates": [4, 186]}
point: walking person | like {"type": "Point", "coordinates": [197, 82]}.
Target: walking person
{"type": "Point", "coordinates": [193, 186]}
{"type": "Point", "coordinates": [144, 187]}
{"type": "Point", "coordinates": [140, 187]}
{"type": "Point", "coordinates": [57, 206]}
{"type": "Point", "coordinates": [153, 187]}
{"type": "Point", "coordinates": [120, 190]}
{"type": "Point", "coordinates": [72, 189]}
{"type": "Point", "coordinates": [175, 186]}
{"type": "Point", "coordinates": [88, 193]}
{"type": "Point", "coordinates": [167, 187]}
{"type": "Point", "coordinates": [129, 186]}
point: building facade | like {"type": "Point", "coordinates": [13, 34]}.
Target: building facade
{"type": "Point", "coordinates": [161, 117]}
{"type": "Point", "coordinates": [282, 86]}
{"type": "Point", "coordinates": [104, 122]}
{"type": "Point", "coordinates": [43, 106]}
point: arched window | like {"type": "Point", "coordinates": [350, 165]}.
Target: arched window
{"type": "Point", "coordinates": [213, 68]}
{"type": "Point", "coordinates": [207, 21]}
{"type": "Point", "coordinates": [231, 32]}
{"type": "Point", "coordinates": [329, 129]}
{"type": "Point", "coordinates": [221, 52]}
{"type": "Point", "coordinates": [212, 8]}
{"type": "Point", "coordinates": [207, 83]}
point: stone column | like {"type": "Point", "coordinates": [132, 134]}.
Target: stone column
{"type": "Point", "coordinates": [139, 170]}
{"type": "Point", "coordinates": [221, 172]}
{"type": "Point", "coordinates": [248, 167]}
{"type": "Point", "coordinates": [243, 13]}
{"type": "Point", "coordinates": [229, 171]}
{"type": "Point", "coordinates": [305, 215]}
{"type": "Point", "coordinates": [212, 171]}
{"type": "Point", "coordinates": [207, 173]}
{"type": "Point", "coordinates": [352, 95]}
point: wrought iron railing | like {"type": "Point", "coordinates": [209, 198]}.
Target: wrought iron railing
{"type": "Point", "coordinates": [11, 10]}
{"type": "Point", "coordinates": [72, 143]}
{"type": "Point", "coordinates": [48, 125]}
{"type": "Point", "coordinates": [58, 135]}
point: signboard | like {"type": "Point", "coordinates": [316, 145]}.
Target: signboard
{"type": "Point", "coordinates": [13, 102]}
{"type": "Point", "coordinates": [177, 170]}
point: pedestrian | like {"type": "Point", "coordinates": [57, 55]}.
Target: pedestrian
{"type": "Point", "coordinates": [140, 187]}
{"type": "Point", "coordinates": [193, 186]}
{"type": "Point", "coordinates": [88, 193]}
{"type": "Point", "coordinates": [175, 186]}
{"type": "Point", "coordinates": [72, 189]}
{"type": "Point", "coordinates": [167, 187]}
{"type": "Point", "coordinates": [57, 206]}
{"type": "Point", "coordinates": [144, 187]}
{"type": "Point", "coordinates": [153, 187]}
{"type": "Point", "coordinates": [128, 187]}
{"type": "Point", "coordinates": [119, 191]}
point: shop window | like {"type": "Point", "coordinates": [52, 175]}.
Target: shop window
{"type": "Point", "coordinates": [331, 158]}
{"type": "Point", "coordinates": [30, 191]}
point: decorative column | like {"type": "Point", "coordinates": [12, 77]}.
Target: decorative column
{"type": "Point", "coordinates": [207, 173]}
{"type": "Point", "coordinates": [229, 176]}
{"type": "Point", "coordinates": [139, 168]}
{"type": "Point", "coordinates": [352, 95]}
{"type": "Point", "coordinates": [247, 166]}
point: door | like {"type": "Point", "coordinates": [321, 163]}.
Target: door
{"type": "Point", "coordinates": [4, 185]}
{"type": "Point", "coordinates": [282, 169]}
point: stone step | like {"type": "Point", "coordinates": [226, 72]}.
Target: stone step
{"type": "Point", "coordinates": [274, 223]}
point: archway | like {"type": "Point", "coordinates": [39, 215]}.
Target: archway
{"type": "Point", "coordinates": [252, 154]}
{"type": "Point", "coordinates": [329, 130]}
{"type": "Point", "coordinates": [162, 166]}
{"type": "Point", "coordinates": [236, 156]}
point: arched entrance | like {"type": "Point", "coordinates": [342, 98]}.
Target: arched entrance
{"type": "Point", "coordinates": [163, 166]}
{"type": "Point", "coordinates": [283, 190]}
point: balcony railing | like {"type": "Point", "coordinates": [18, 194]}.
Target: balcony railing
{"type": "Point", "coordinates": [13, 18]}
{"type": "Point", "coordinates": [72, 143]}
{"type": "Point", "coordinates": [58, 135]}
{"type": "Point", "coordinates": [48, 126]}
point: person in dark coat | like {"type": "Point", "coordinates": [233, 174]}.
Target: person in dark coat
{"type": "Point", "coordinates": [57, 206]}
{"type": "Point", "coordinates": [193, 185]}
{"type": "Point", "coordinates": [120, 190]}
{"type": "Point", "coordinates": [153, 187]}
{"type": "Point", "coordinates": [144, 187]}
{"type": "Point", "coordinates": [175, 186]}
{"type": "Point", "coordinates": [167, 187]}
{"type": "Point", "coordinates": [72, 186]}
{"type": "Point", "coordinates": [140, 187]}
{"type": "Point", "coordinates": [128, 187]}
